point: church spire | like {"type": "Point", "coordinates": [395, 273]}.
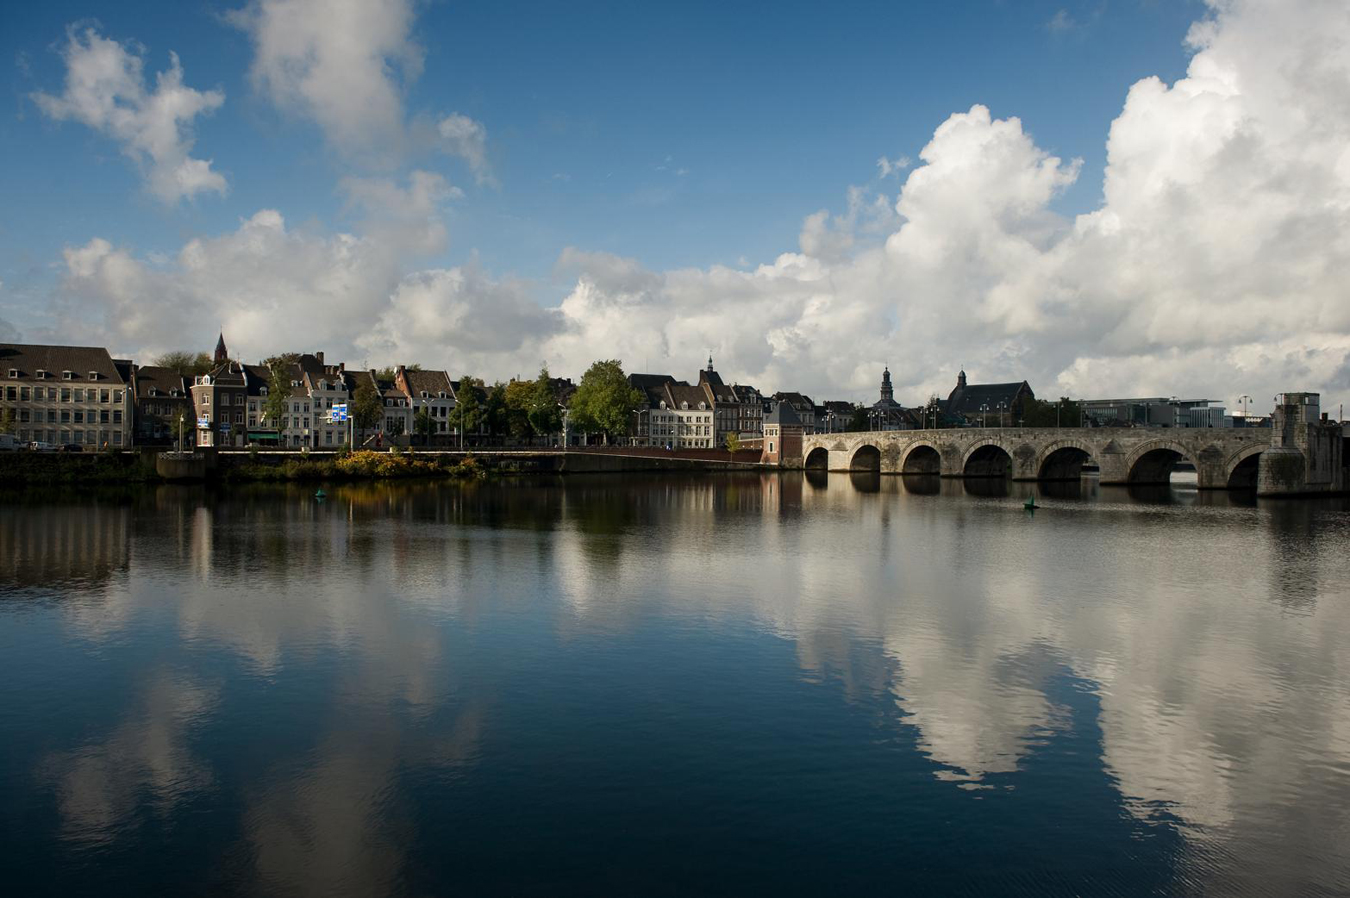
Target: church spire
{"type": "Point", "coordinates": [222, 354]}
{"type": "Point", "coordinates": [961, 379]}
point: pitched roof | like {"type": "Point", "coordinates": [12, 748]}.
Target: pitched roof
{"type": "Point", "coordinates": [29, 358]}
{"type": "Point", "coordinates": [974, 398]}
{"type": "Point", "coordinates": [783, 414]}
{"type": "Point", "coordinates": [160, 382]}
{"type": "Point", "coordinates": [651, 386]}
{"type": "Point", "coordinates": [430, 382]}
{"type": "Point", "coordinates": [799, 401]}
{"type": "Point", "coordinates": [679, 393]}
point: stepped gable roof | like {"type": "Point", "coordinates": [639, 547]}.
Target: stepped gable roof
{"type": "Point", "coordinates": [430, 382]}
{"type": "Point", "coordinates": [969, 399]}
{"type": "Point", "coordinates": [783, 414]}
{"type": "Point", "coordinates": [159, 382]}
{"type": "Point", "coordinates": [29, 358]}
{"type": "Point", "coordinates": [679, 393]}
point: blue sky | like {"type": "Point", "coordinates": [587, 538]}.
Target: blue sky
{"type": "Point", "coordinates": [1118, 196]}
{"type": "Point", "coordinates": [680, 134]}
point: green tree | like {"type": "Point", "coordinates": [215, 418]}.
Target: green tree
{"type": "Point", "coordinates": [733, 443]}
{"type": "Point", "coordinates": [858, 420]}
{"type": "Point", "coordinates": [422, 424]}
{"type": "Point", "coordinates": [285, 360]}
{"type": "Point", "coordinates": [519, 401]}
{"type": "Point", "coordinates": [604, 400]}
{"type": "Point", "coordinates": [544, 413]}
{"type": "Point", "coordinates": [184, 363]}
{"type": "Point", "coordinates": [495, 412]}
{"type": "Point", "coordinates": [277, 401]}
{"type": "Point", "coordinates": [1039, 413]}
{"type": "Point", "coordinates": [468, 410]}
{"type": "Point", "coordinates": [367, 407]}
{"type": "Point", "coordinates": [395, 427]}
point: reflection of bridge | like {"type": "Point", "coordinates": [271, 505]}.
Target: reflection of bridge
{"type": "Point", "coordinates": [1224, 458]}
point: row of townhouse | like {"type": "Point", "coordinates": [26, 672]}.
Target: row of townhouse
{"type": "Point", "coordinates": [81, 395]}
{"type": "Point", "coordinates": [675, 414]}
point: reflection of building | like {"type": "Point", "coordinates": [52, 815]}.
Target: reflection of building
{"type": "Point", "coordinates": [986, 404]}
{"type": "Point", "coordinates": [783, 433]}
{"type": "Point", "coordinates": [65, 394]}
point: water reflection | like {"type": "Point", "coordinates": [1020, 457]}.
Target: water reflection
{"type": "Point", "coordinates": [348, 685]}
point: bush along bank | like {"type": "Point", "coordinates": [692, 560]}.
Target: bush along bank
{"type": "Point", "coordinates": [22, 469]}
{"type": "Point", "coordinates": [361, 465]}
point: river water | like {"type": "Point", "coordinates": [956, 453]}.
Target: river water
{"type": "Point", "coordinates": [734, 684]}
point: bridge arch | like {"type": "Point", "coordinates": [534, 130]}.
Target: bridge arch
{"type": "Point", "coordinates": [1239, 472]}
{"type": "Point", "coordinates": [987, 458]}
{"type": "Point", "coordinates": [818, 459]}
{"type": "Point", "coordinates": [921, 458]}
{"type": "Point", "coordinates": [1063, 460]}
{"type": "Point", "coordinates": [1154, 461]}
{"type": "Point", "coordinates": [866, 458]}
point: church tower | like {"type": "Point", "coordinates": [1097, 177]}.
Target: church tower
{"type": "Point", "coordinates": [961, 380]}
{"type": "Point", "coordinates": [887, 394]}
{"type": "Point", "coordinates": [222, 355]}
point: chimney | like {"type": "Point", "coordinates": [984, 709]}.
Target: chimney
{"type": "Point", "coordinates": [319, 356]}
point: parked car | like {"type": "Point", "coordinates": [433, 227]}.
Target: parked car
{"type": "Point", "coordinates": [40, 446]}
{"type": "Point", "coordinates": [70, 447]}
{"type": "Point", "coordinates": [9, 443]}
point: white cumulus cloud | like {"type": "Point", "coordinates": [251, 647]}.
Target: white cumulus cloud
{"type": "Point", "coordinates": [105, 89]}
{"type": "Point", "coordinates": [1215, 263]}
{"type": "Point", "coordinates": [345, 65]}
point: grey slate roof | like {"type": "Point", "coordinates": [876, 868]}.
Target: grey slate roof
{"type": "Point", "coordinates": [783, 415]}
{"type": "Point", "coordinates": [152, 381]}
{"type": "Point", "coordinates": [969, 399]}
{"type": "Point", "coordinates": [29, 358]}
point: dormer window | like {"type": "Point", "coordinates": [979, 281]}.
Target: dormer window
{"type": "Point", "coordinates": [295, 383]}
{"type": "Point", "coordinates": [42, 374]}
{"type": "Point", "coordinates": [154, 391]}
{"type": "Point", "coordinates": [442, 394]}
{"type": "Point", "coordinates": [684, 405]}
{"type": "Point", "coordinates": [67, 375]}
{"type": "Point", "coordinates": [323, 385]}
{"type": "Point", "coordinates": [93, 375]}
{"type": "Point", "coordinates": [424, 394]}
{"type": "Point", "coordinates": [262, 391]}
{"type": "Point", "coordinates": [13, 372]}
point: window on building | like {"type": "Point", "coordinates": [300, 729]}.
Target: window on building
{"type": "Point", "coordinates": [23, 394]}
{"type": "Point", "coordinates": [117, 416]}
{"type": "Point", "coordinates": [102, 416]}
{"type": "Point", "coordinates": [103, 396]}
{"type": "Point", "coordinates": [117, 437]}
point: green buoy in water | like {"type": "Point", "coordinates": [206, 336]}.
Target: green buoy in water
{"type": "Point", "coordinates": [320, 495]}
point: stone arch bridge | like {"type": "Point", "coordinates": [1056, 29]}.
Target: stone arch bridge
{"type": "Point", "coordinates": [1225, 458]}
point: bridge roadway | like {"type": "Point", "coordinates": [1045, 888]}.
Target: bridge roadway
{"type": "Point", "coordinates": [1226, 458]}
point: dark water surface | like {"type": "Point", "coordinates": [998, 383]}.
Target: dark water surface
{"type": "Point", "coordinates": [659, 686]}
